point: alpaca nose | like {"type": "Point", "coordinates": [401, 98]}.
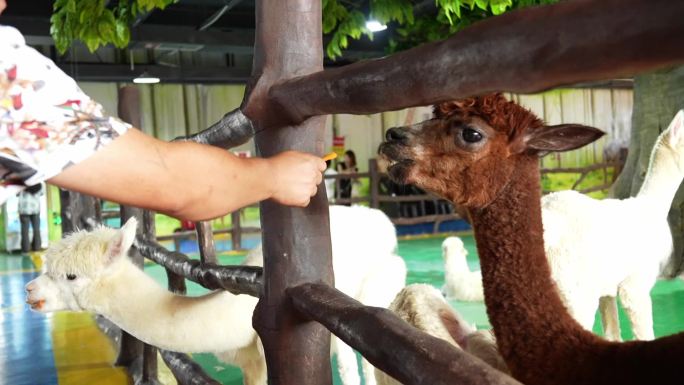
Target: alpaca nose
{"type": "Point", "coordinates": [30, 287]}
{"type": "Point", "coordinates": [396, 134]}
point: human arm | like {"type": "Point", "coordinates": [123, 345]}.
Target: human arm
{"type": "Point", "coordinates": [51, 130]}
{"type": "Point", "coordinates": [188, 180]}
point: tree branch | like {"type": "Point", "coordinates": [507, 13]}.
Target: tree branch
{"type": "Point", "coordinates": [186, 371]}
{"type": "Point", "coordinates": [236, 279]}
{"type": "Point", "coordinates": [232, 130]}
{"type": "Point", "coordinates": [390, 344]}
{"type": "Point", "coordinates": [523, 51]}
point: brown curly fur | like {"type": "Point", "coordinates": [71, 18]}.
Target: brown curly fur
{"type": "Point", "coordinates": [495, 110]}
{"type": "Point", "coordinates": [499, 185]}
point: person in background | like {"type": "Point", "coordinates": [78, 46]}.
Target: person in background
{"type": "Point", "coordinates": [52, 131]}
{"type": "Point", "coordinates": [330, 182]}
{"type": "Point", "coordinates": [29, 212]}
{"type": "Point", "coordinates": [347, 167]}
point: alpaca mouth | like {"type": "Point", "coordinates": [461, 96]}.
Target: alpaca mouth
{"type": "Point", "coordinates": [399, 163]}
{"type": "Point", "coordinates": [35, 304]}
{"type": "Point", "coordinates": [399, 171]}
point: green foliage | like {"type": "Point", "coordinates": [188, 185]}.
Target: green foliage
{"type": "Point", "coordinates": [348, 21]}
{"type": "Point", "coordinates": [564, 181]}
{"type": "Point", "coordinates": [342, 19]}
{"type": "Point", "coordinates": [94, 24]}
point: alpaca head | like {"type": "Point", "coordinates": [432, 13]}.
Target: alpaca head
{"type": "Point", "coordinates": [453, 246]}
{"type": "Point", "coordinates": [469, 150]}
{"type": "Point", "coordinates": [77, 263]}
{"type": "Point", "coordinates": [455, 255]}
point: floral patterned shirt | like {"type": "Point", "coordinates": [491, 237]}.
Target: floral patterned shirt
{"type": "Point", "coordinates": [46, 122]}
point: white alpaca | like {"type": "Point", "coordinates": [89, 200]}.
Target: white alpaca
{"type": "Point", "coordinates": [89, 271]}
{"type": "Point", "coordinates": [459, 282]}
{"type": "Point", "coordinates": [598, 249]}
{"type": "Point", "coordinates": [424, 307]}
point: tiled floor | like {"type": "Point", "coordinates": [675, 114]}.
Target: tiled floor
{"type": "Point", "coordinates": [26, 355]}
{"type": "Point", "coordinates": [68, 349]}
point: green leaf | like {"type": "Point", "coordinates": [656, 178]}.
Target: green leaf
{"type": "Point", "coordinates": [93, 23]}
{"type": "Point", "coordinates": [122, 34]}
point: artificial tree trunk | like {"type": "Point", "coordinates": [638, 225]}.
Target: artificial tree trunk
{"type": "Point", "coordinates": [657, 98]}
{"type": "Point", "coordinates": [133, 351]}
{"type": "Point", "coordinates": [296, 241]}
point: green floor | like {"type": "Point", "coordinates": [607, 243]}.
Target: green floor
{"type": "Point", "coordinates": [424, 262]}
{"type": "Point", "coordinates": [423, 258]}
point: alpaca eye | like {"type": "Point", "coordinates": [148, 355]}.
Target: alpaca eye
{"type": "Point", "coordinates": [71, 277]}
{"type": "Point", "coordinates": [471, 136]}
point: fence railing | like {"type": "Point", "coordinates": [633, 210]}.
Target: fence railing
{"type": "Point", "coordinates": [607, 177]}
{"type": "Point", "coordinates": [405, 205]}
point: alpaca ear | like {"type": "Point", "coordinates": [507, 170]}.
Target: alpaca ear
{"type": "Point", "coordinates": [458, 328]}
{"type": "Point", "coordinates": [123, 240]}
{"type": "Point", "coordinates": [558, 138]}
{"type": "Point", "coordinates": [675, 129]}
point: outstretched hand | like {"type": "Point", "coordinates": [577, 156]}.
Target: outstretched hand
{"type": "Point", "coordinates": [295, 177]}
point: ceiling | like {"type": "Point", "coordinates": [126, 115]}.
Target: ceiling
{"type": "Point", "coordinates": [191, 41]}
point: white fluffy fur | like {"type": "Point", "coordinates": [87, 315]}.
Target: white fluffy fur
{"type": "Point", "coordinates": [423, 307]}
{"type": "Point", "coordinates": [364, 261]}
{"type": "Point", "coordinates": [459, 282]}
{"type": "Point", "coordinates": [599, 249]}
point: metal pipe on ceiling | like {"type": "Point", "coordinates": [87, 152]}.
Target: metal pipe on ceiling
{"type": "Point", "coordinates": [217, 15]}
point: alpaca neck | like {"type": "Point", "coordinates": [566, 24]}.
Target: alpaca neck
{"type": "Point", "coordinates": [662, 178]}
{"type": "Point", "coordinates": [214, 322]}
{"type": "Point", "coordinates": [522, 301]}
{"type": "Point", "coordinates": [456, 263]}
{"type": "Point", "coordinates": [536, 336]}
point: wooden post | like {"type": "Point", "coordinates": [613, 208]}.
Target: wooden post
{"type": "Point", "coordinates": [205, 240]}
{"type": "Point", "coordinates": [131, 348]}
{"type": "Point", "coordinates": [374, 183]}
{"type": "Point", "coordinates": [149, 373]}
{"type": "Point", "coordinates": [78, 211]}
{"type": "Point", "coordinates": [296, 241]}
{"type": "Point", "coordinates": [235, 230]}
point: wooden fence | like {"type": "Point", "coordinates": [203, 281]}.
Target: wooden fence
{"type": "Point", "coordinates": [297, 304]}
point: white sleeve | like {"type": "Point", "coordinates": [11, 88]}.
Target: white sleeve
{"type": "Point", "coordinates": [46, 122]}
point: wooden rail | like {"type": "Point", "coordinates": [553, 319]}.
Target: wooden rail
{"type": "Point", "coordinates": [584, 172]}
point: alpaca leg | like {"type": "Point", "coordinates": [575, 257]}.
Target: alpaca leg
{"type": "Point", "coordinates": [256, 378]}
{"type": "Point", "coordinates": [346, 363]}
{"type": "Point", "coordinates": [254, 372]}
{"type": "Point", "coordinates": [368, 372]}
{"type": "Point", "coordinates": [637, 303]}
{"type": "Point", "coordinates": [610, 318]}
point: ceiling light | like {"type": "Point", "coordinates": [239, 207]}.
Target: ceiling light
{"type": "Point", "coordinates": [375, 26]}
{"type": "Point", "coordinates": [145, 78]}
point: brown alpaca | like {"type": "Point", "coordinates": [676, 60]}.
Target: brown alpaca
{"type": "Point", "coordinates": [483, 153]}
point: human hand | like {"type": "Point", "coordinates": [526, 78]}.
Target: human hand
{"type": "Point", "coordinates": [295, 177]}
